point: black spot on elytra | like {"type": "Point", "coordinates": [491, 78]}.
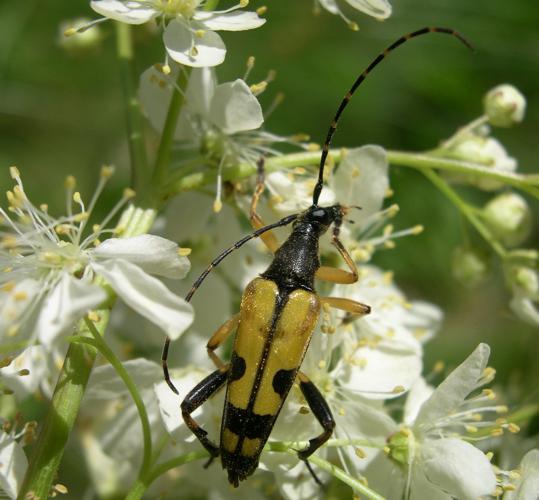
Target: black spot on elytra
{"type": "Point", "coordinates": [247, 423]}
{"type": "Point", "coordinates": [282, 381]}
{"type": "Point", "coordinates": [237, 367]}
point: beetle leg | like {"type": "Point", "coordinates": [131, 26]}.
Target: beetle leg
{"type": "Point", "coordinates": [348, 305]}
{"type": "Point", "coordinates": [334, 274]}
{"type": "Point", "coordinates": [198, 396]}
{"type": "Point", "coordinates": [222, 333]}
{"type": "Point", "coordinates": [269, 239]}
{"type": "Point", "coordinates": [321, 411]}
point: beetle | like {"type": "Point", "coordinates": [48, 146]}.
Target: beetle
{"type": "Point", "coordinates": [278, 313]}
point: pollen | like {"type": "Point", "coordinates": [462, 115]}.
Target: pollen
{"type": "Point", "coordinates": [513, 428]}
{"type": "Point", "coordinates": [106, 171]}
{"type": "Point", "coordinates": [70, 182]}
{"type": "Point", "coordinates": [184, 252]}
{"type": "Point", "coordinates": [417, 229]}
{"type": "Point", "coordinates": [129, 193]}
{"type": "Point", "coordinates": [20, 296]}
{"type": "Point", "coordinates": [360, 453]}
{"type": "Point", "coordinates": [262, 10]}
{"type": "Point", "coordinates": [14, 172]}
{"type": "Point", "coordinates": [244, 3]}
{"type": "Point", "coordinates": [200, 33]}
{"type": "Point", "coordinates": [8, 286]}
{"type": "Point", "coordinates": [398, 389]}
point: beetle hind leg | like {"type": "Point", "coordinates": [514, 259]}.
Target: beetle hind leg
{"type": "Point", "coordinates": [321, 411]}
{"type": "Point", "coordinates": [198, 396]}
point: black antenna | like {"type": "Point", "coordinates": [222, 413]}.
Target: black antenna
{"type": "Point", "coordinates": [357, 83]}
{"type": "Point", "coordinates": [214, 263]}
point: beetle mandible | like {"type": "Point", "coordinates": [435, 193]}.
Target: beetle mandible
{"type": "Point", "coordinates": [278, 313]}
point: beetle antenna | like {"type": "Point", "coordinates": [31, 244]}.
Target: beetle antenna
{"type": "Point", "coordinates": [357, 83]}
{"type": "Point", "coordinates": [214, 263]}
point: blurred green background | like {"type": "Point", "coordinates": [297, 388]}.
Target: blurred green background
{"type": "Point", "coordinates": [61, 113]}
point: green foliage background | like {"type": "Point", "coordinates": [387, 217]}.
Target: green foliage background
{"type": "Point", "coordinates": [61, 113]}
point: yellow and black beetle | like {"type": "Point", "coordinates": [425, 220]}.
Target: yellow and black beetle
{"type": "Point", "coordinates": [278, 313]}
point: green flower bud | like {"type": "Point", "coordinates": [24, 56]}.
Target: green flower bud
{"type": "Point", "coordinates": [525, 281]}
{"type": "Point", "coordinates": [509, 218]}
{"type": "Point", "coordinates": [504, 106]}
{"type": "Point", "coordinates": [469, 266]}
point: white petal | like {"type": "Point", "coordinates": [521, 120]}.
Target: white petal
{"type": "Point", "coordinates": [34, 360]}
{"type": "Point", "coordinates": [458, 468]}
{"type": "Point", "coordinates": [147, 295]}
{"type": "Point", "coordinates": [362, 179]}
{"type": "Point", "coordinates": [330, 5]}
{"type": "Point", "coordinates": [528, 485]}
{"type": "Point", "coordinates": [380, 9]}
{"type": "Point", "coordinates": [421, 488]}
{"type": "Point", "coordinates": [12, 307]}
{"type": "Point", "coordinates": [234, 108]}
{"type": "Point", "coordinates": [230, 21]}
{"type": "Point", "coordinates": [448, 396]}
{"type": "Point", "coordinates": [417, 395]}
{"type": "Point", "coordinates": [185, 47]}
{"type": "Point", "coordinates": [153, 254]}
{"type": "Point", "coordinates": [131, 12]}
{"type": "Point", "coordinates": [13, 465]}
{"type": "Point", "coordinates": [105, 383]}
{"type": "Point", "coordinates": [526, 309]}
{"type": "Point", "coordinates": [65, 304]}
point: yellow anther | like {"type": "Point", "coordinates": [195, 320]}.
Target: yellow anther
{"type": "Point", "coordinates": [513, 428]}
{"type": "Point", "coordinates": [62, 229]}
{"type": "Point", "coordinates": [356, 172]}
{"type": "Point", "coordinates": [489, 455]}
{"type": "Point", "coordinates": [217, 206]}
{"type": "Point", "coordinates": [82, 216]}
{"type": "Point", "coordinates": [515, 475]}
{"type": "Point", "coordinates": [76, 197]}
{"type": "Point", "coordinates": [509, 487]}
{"type": "Point", "coordinates": [477, 417]}
{"type": "Point", "coordinates": [398, 389]}
{"type": "Point", "coordinates": [501, 421]}
{"type": "Point", "coordinates": [166, 69]}
{"type": "Point", "coordinates": [387, 450]}
{"type": "Point", "coordinates": [417, 229]}
{"type": "Point", "coordinates": [322, 364]}
{"type": "Point", "coordinates": [44, 207]}
{"type": "Point", "coordinates": [389, 244]}
{"type": "Point", "coordinates": [70, 32]}
{"type": "Point", "coordinates": [244, 3]}
{"type": "Point", "coordinates": [438, 367]}
{"type": "Point", "coordinates": [60, 488]}
{"type": "Point", "coordinates": [502, 409]}
{"type": "Point", "coordinates": [393, 210]}
{"type": "Point", "coordinates": [96, 228]}
{"type": "Point", "coordinates": [96, 242]}
{"type": "Point", "coordinates": [200, 33]}
{"type": "Point", "coordinates": [14, 172]}
{"type": "Point", "coordinates": [12, 200]}
{"type": "Point", "coordinates": [8, 286]}
{"type": "Point", "coordinates": [49, 257]}
{"type": "Point", "coordinates": [262, 10]}
{"type": "Point", "coordinates": [360, 453]}
{"type": "Point", "coordinates": [24, 372]}
{"type": "Point", "coordinates": [471, 429]}
{"type": "Point", "coordinates": [498, 492]}
{"type": "Point", "coordinates": [389, 193]}
{"type": "Point", "coordinates": [405, 432]}
{"type": "Point", "coordinates": [342, 412]}
{"type": "Point", "coordinates": [313, 147]}
{"type": "Point", "coordinates": [496, 432]}
{"type": "Point", "coordinates": [258, 88]}
{"type": "Point", "coordinates": [184, 252]}
{"type": "Point", "coordinates": [7, 269]}
{"type": "Point", "coordinates": [193, 51]}
{"type": "Point", "coordinates": [250, 62]}
{"type": "Point", "coordinates": [93, 316]}
{"type": "Point", "coordinates": [70, 182]}
{"type": "Point", "coordinates": [489, 393]}
{"type": "Point", "coordinates": [129, 193]}
{"type": "Point", "coordinates": [489, 373]}
{"type": "Point", "coordinates": [106, 171]}
{"type": "Point", "coordinates": [353, 26]}
{"type": "Point", "coordinates": [20, 296]}
{"type": "Point", "coordinates": [388, 230]}
{"type": "Point", "coordinates": [387, 277]}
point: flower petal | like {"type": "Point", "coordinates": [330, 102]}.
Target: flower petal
{"type": "Point", "coordinates": [380, 9]}
{"type": "Point", "coordinates": [528, 484]}
{"type": "Point", "coordinates": [13, 465]}
{"type": "Point", "coordinates": [15, 304]}
{"type": "Point", "coordinates": [65, 304]}
{"type": "Point", "coordinates": [417, 395]}
{"type": "Point", "coordinates": [362, 179]}
{"type": "Point", "coordinates": [234, 108]}
{"type": "Point", "coordinates": [32, 359]}
{"type": "Point", "coordinates": [453, 390]}
{"type": "Point", "coordinates": [130, 12]}
{"type": "Point", "coordinates": [153, 254]}
{"type": "Point", "coordinates": [185, 47]}
{"type": "Point", "coordinates": [229, 21]}
{"type": "Point", "coordinates": [458, 468]}
{"type": "Point", "coordinates": [147, 295]}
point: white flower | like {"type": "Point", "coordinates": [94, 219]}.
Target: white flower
{"type": "Point", "coordinates": [189, 31]}
{"type": "Point", "coordinates": [379, 9]}
{"type": "Point", "coordinates": [13, 461]}
{"type": "Point", "coordinates": [524, 283]}
{"type": "Point", "coordinates": [432, 457]}
{"type": "Point", "coordinates": [50, 264]}
{"type": "Point", "coordinates": [525, 483]}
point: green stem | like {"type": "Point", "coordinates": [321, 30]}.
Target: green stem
{"type": "Point", "coordinates": [466, 210]}
{"type": "Point", "coordinates": [135, 122]}
{"type": "Point", "coordinates": [420, 161]}
{"type": "Point", "coordinates": [70, 387]}
{"type": "Point", "coordinates": [167, 137]}
{"type": "Point", "coordinates": [107, 352]}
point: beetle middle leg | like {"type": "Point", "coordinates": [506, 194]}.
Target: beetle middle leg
{"type": "Point", "coordinates": [220, 335]}
{"type": "Point", "coordinates": [198, 396]}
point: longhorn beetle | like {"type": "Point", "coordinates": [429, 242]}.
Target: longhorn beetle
{"type": "Point", "coordinates": [279, 310]}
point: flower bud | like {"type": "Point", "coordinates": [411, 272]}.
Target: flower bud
{"type": "Point", "coordinates": [524, 281]}
{"type": "Point", "coordinates": [509, 218]}
{"type": "Point", "coordinates": [485, 151]}
{"type": "Point", "coordinates": [504, 106]}
{"type": "Point", "coordinates": [469, 266]}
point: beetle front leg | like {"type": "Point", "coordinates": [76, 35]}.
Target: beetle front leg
{"type": "Point", "coordinates": [334, 274]}
{"type": "Point", "coordinates": [321, 411]}
{"type": "Point", "coordinates": [198, 396]}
